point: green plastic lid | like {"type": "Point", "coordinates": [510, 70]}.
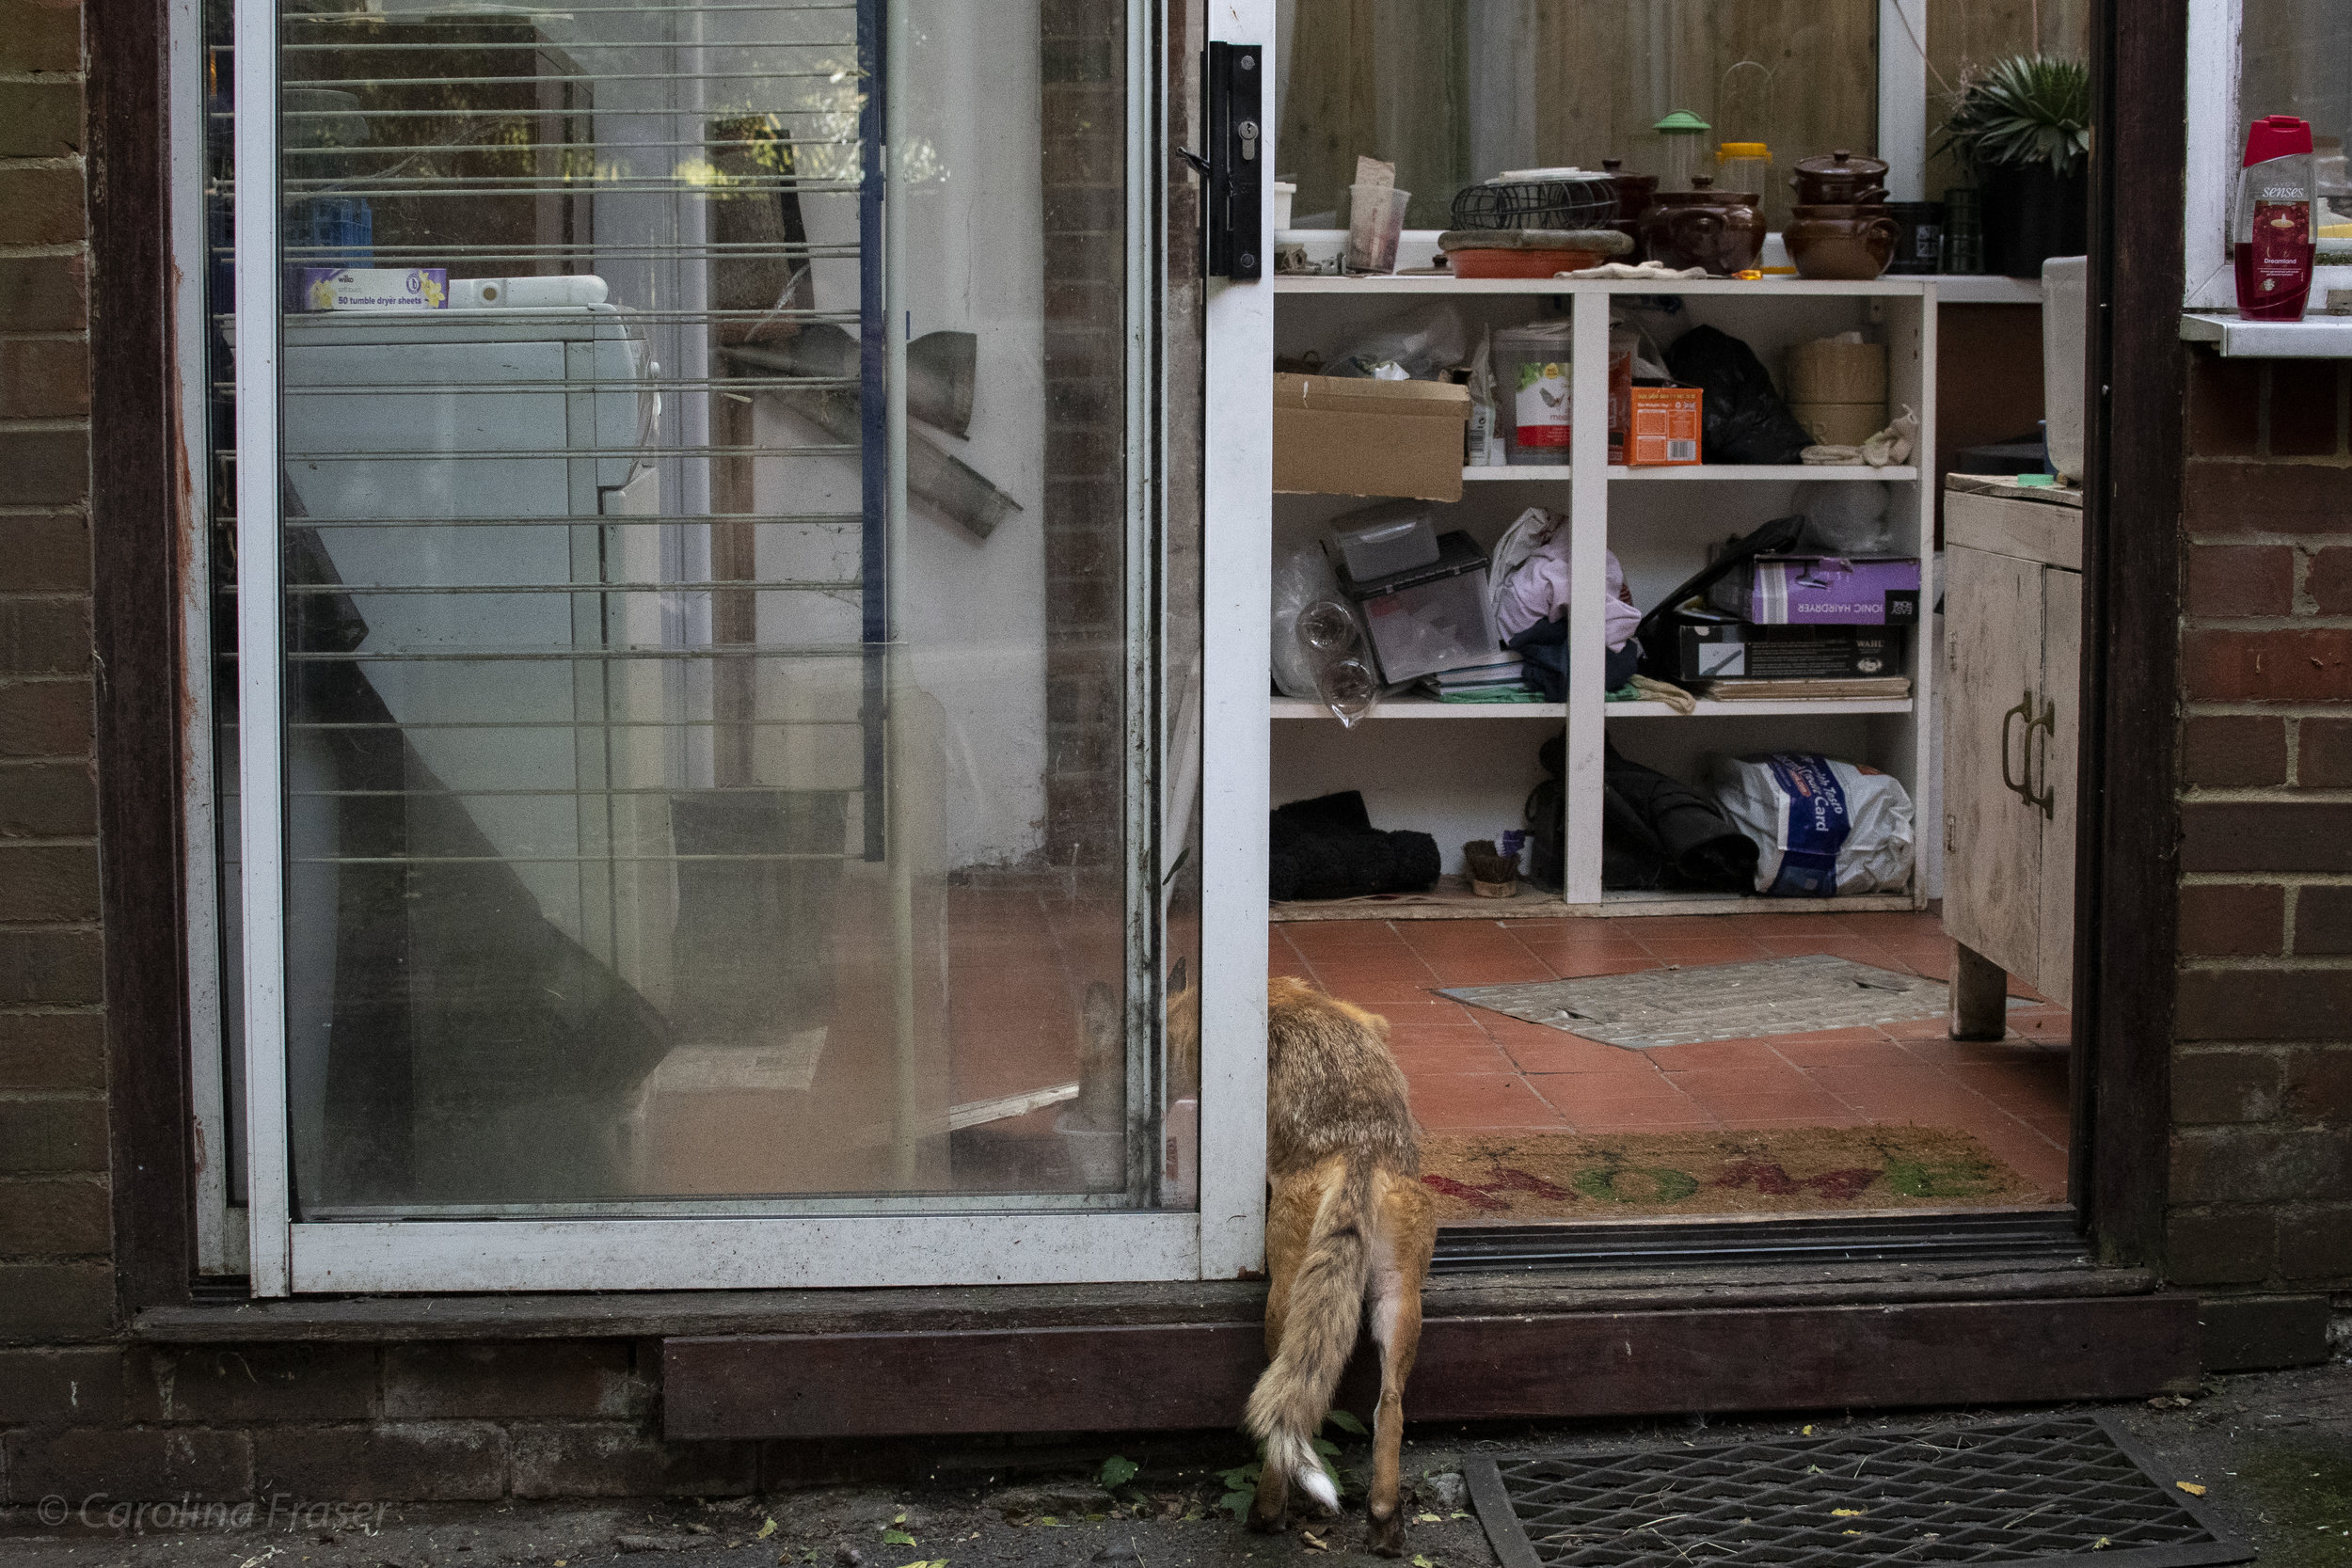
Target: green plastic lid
{"type": "Point", "coordinates": [1682, 122]}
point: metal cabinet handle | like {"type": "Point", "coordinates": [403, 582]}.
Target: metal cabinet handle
{"type": "Point", "coordinates": [2047, 797]}
{"type": "Point", "coordinates": [2009, 781]}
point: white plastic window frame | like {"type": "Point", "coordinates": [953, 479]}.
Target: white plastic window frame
{"type": "Point", "coordinates": [1223, 1239]}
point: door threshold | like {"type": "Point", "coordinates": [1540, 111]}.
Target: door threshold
{"type": "Point", "coordinates": [2047, 1235]}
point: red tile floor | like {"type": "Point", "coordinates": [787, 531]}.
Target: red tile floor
{"type": "Point", "coordinates": [1473, 1071]}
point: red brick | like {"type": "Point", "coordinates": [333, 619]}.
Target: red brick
{"type": "Point", "coordinates": [514, 1381]}
{"type": "Point", "coordinates": [2232, 920]}
{"type": "Point", "coordinates": [2224, 1086]}
{"type": "Point", "coordinates": [2316, 1243]}
{"type": "Point", "coordinates": [52, 1051]}
{"type": "Point", "coordinates": [44, 379]}
{"type": "Point", "coordinates": [253, 1383]}
{"type": "Point", "coordinates": [2247, 1165]}
{"type": "Point", "coordinates": [48, 881]}
{"type": "Point", "coordinates": [2223, 752]}
{"type": "Point", "coordinates": [2219, 1246]}
{"type": "Point", "coordinates": [622, 1461]}
{"type": "Point", "coordinates": [40, 119]}
{"type": "Point", "coordinates": [2262, 836]}
{"type": "Point", "coordinates": [2302, 411]}
{"type": "Point", "coordinates": [60, 1387]}
{"type": "Point", "coordinates": [2261, 1004]}
{"type": "Point", "coordinates": [2323, 920]}
{"type": "Point", "coordinates": [47, 799]}
{"type": "Point", "coordinates": [132, 1467]}
{"type": "Point", "coordinates": [52, 1218]}
{"type": "Point", "coordinates": [42, 1303]}
{"type": "Point", "coordinates": [2323, 753]}
{"type": "Point", "coordinates": [403, 1461]}
{"type": "Point", "coordinates": [43, 554]}
{"type": "Point", "coordinates": [2267, 497]}
{"type": "Point", "coordinates": [2224, 407]}
{"type": "Point", "coordinates": [39, 34]}
{"type": "Point", "coordinates": [2328, 581]}
{"type": "Point", "coordinates": [41, 205]}
{"type": "Point", "coordinates": [45, 635]}
{"type": "Point", "coordinates": [41, 293]}
{"type": "Point", "coordinates": [44, 718]}
{"type": "Point", "coordinates": [2319, 1086]}
{"type": "Point", "coordinates": [47, 1136]}
{"type": "Point", "coordinates": [58, 968]}
{"type": "Point", "coordinates": [44, 468]}
{"type": "Point", "coordinates": [2285, 666]}
{"type": "Point", "coordinates": [2241, 580]}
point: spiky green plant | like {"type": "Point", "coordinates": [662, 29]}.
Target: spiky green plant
{"type": "Point", "coordinates": [2028, 109]}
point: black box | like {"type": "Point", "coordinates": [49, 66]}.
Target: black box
{"type": "Point", "coordinates": [1733, 650]}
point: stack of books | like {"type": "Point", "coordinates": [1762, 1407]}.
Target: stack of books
{"type": "Point", "coordinates": [1496, 681]}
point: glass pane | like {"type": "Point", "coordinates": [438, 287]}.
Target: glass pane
{"type": "Point", "coordinates": [1455, 91]}
{"type": "Point", "coordinates": [719, 777]}
{"type": "Point", "coordinates": [2291, 62]}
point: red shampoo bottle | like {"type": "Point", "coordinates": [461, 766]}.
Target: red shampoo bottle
{"type": "Point", "coordinates": [2272, 229]}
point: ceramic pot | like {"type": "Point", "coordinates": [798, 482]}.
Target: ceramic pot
{"type": "Point", "coordinates": [1720, 230]}
{"type": "Point", "coordinates": [1634, 194]}
{"type": "Point", "coordinates": [1841, 177]}
{"type": "Point", "coordinates": [1854, 246]}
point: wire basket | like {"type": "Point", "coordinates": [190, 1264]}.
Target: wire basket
{"type": "Point", "coordinates": [1572, 199]}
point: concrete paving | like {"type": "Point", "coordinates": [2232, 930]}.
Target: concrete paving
{"type": "Point", "coordinates": [2273, 1450]}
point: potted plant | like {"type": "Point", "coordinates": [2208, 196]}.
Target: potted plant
{"type": "Point", "coordinates": [2021, 130]}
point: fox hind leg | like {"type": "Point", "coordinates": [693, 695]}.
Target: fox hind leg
{"type": "Point", "coordinates": [1408, 1231]}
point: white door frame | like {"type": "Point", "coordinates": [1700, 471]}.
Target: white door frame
{"type": "Point", "coordinates": [1225, 1238]}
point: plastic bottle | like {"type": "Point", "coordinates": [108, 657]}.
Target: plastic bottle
{"type": "Point", "coordinates": [2271, 237]}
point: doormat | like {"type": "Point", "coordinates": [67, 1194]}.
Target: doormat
{"type": "Point", "coordinates": [1719, 1002]}
{"type": "Point", "coordinates": [1521, 1178]}
{"type": "Point", "coordinates": [2070, 1490]}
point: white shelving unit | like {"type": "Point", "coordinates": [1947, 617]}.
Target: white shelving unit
{"type": "Point", "coordinates": [1463, 783]}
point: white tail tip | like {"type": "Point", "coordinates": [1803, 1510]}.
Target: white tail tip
{"type": "Point", "coordinates": [1317, 1485]}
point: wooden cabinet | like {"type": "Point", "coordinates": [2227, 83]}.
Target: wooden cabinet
{"type": "Point", "coordinates": [2012, 636]}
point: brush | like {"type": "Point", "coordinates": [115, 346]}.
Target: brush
{"type": "Point", "coordinates": [1492, 873]}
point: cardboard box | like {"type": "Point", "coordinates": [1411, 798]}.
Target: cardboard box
{"type": "Point", "coordinates": [1732, 650]}
{"type": "Point", "coordinates": [1341, 437]}
{"type": "Point", "coordinates": [1823, 590]}
{"type": "Point", "coordinates": [1664, 426]}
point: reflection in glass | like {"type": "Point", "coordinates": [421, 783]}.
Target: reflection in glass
{"type": "Point", "coordinates": [670, 820]}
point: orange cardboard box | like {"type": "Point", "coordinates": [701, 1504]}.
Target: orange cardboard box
{"type": "Point", "coordinates": [1665, 427]}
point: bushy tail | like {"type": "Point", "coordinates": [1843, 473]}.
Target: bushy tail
{"type": "Point", "coordinates": [1319, 1329]}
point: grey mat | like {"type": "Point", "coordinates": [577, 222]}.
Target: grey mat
{"type": "Point", "coordinates": [1720, 1002]}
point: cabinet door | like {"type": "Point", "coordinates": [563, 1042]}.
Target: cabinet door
{"type": "Point", "coordinates": [2058, 745]}
{"type": "Point", "coordinates": [1992, 634]}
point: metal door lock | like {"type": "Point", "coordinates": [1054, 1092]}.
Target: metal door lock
{"type": "Point", "coordinates": [1247, 131]}
{"type": "Point", "coordinates": [1235, 217]}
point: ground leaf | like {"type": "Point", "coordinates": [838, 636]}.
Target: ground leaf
{"type": "Point", "coordinates": [766, 1529]}
{"type": "Point", "coordinates": [1117, 1471]}
{"type": "Point", "coordinates": [2190, 1487]}
{"type": "Point", "coordinates": [898, 1538]}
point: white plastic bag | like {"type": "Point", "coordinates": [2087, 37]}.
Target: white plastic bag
{"type": "Point", "coordinates": [1301, 577]}
{"type": "Point", "coordinates": [1819, 827]}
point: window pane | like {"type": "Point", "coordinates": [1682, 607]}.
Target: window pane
{"type": "Point", "coordinates": [671, 821]}
{"type": "Point", "coordinates": [2291, 62]}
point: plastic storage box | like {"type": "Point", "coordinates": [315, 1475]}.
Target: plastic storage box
{"type": "Point", "coordinates": [1432, 618]}
{"type": "Point", "coordinates": [1383, 540]}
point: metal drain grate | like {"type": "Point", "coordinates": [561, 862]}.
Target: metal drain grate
{"type": "Point", "coordinates": [2040, 1492]}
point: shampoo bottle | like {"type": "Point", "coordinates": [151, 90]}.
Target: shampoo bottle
{"type": "Point", "coordinates": [2271, 233]}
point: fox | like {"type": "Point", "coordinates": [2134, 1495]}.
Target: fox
{"type": "Point", "coordinates": [1349, 1228]}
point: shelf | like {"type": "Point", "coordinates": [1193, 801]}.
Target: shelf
{"type": "Point", "coordinates": [1428, 707]}
{"type": "Point", "coordinates": [2312, 338]}
{"type": "Point", "coordinates": [1978, 289]}
{"type": "Point", "coordinates": [1756, 471]}
{"type": "Point", "coordinates": [1445, 283]}
{"type": "Point", "coordinates": [1424, 707]}
{"type": "Point", "coordinates": [1760, 708]}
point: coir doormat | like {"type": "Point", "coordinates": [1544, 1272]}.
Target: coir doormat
{"type": "Point", "coordinates": [1517, 1178]}
{"type": "Point", "coordinates": [1716, 1001]}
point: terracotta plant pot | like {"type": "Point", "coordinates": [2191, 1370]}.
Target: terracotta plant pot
{"type": "Point", "coordinates": [1720, 230]}
{"type": "Point", "coordinates": [1841, 177]}
{"type": "Point", "coordinates": [1854, 245]}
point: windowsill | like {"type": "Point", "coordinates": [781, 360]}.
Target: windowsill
{"type": "Point", "coordinates": [635, 1315]}
{"type": "Point", "coordinates": [2312, 338]}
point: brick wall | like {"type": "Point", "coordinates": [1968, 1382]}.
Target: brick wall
{"type": "Point", "coordinates": [2262, 1075]}
{"type": "Point", "coordinates": [55, 1279]}
{"type": "Point", "coordinates": [1082, 127]}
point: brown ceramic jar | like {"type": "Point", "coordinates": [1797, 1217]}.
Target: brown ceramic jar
{"type": "Point", "coordinates": [1720, 230]}
{"type": "Point", "coordinates": [1848, 242]}
{"type": "Point", "coordinates": [1634, 193]}
{"type": "Point", "coordinates": [1841, 177]}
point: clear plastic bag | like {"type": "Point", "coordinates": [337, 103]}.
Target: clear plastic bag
{"type": "Point", "coordinates": [1318, 639]}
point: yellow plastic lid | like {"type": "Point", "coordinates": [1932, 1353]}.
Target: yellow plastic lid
{"type": "Point", "coordinates": [1731, 149]}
